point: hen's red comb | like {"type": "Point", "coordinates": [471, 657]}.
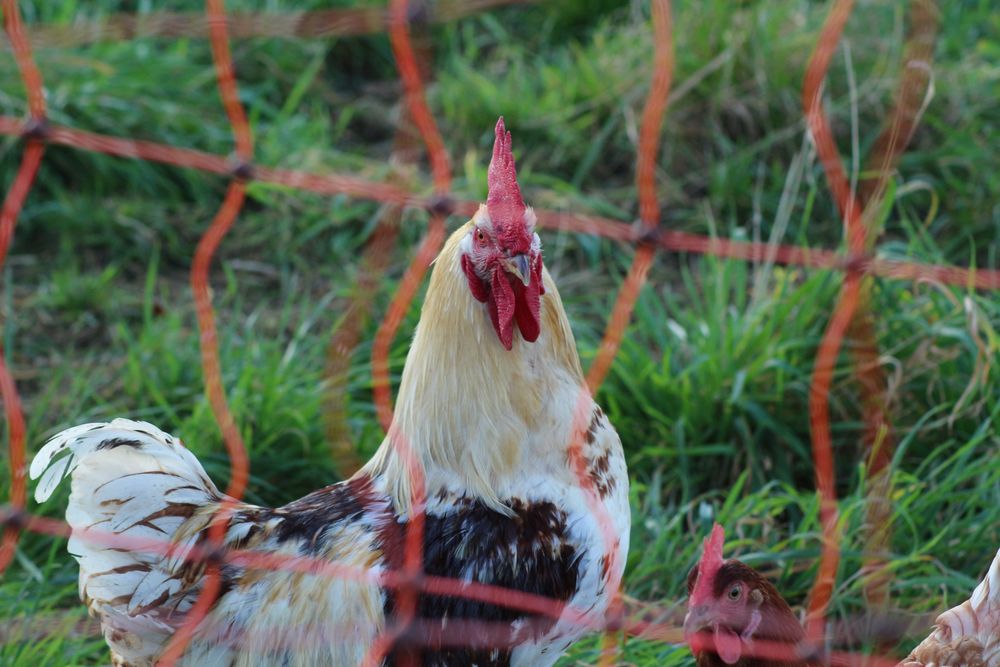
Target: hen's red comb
{"type": "Point", "coordinates": [504, 203]}
{"type": "Point", "coordinates": [711, 561]}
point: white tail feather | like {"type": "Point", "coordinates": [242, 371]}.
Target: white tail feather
{"type": "Point", "coordinates": [79, 441]}
{"type": "Point", "coordinates": [129, 479]}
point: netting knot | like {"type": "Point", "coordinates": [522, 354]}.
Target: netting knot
{"type": "Point", "coordinates": [441, 204]}
{"type": "Point", "coordinates": [241, 169]}
{"type": "Point", "coordinates": [14, 518]}
{"type": "Point", "coordinates": [810, 652]}
{"type": "Point", "coordinates": [857, 263]}
{"type": "Point", "coordinates": [648, 236]}
{"type": "Point", "coordinates": [614, 620]}
{"type": "Point", "coordinates": [36, 129]}
{"type": "Point", "coordinates": [411, 582]}
{"type": "Point", "coordinates": [214, 555]}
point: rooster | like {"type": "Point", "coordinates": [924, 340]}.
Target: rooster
{"type": "Point", "coordinates": [490, 406]}
{"type": "Point", "coordinates": [739, 607]}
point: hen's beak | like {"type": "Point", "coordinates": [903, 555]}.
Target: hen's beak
{"type": "Point", "coordinates": [698, 618]}
{"type": "Point", "coordinates": [519, 266]}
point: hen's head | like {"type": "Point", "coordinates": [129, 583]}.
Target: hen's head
{"type": "Point", "coordinates": [725, 598]}
{"type": "Point", "coordinates": [502, 255]}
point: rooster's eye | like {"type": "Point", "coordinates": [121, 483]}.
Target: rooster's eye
{"type": "Point", "coordinates": [734, 593]}
{"type": "Point", "coordinates": [480, 237]}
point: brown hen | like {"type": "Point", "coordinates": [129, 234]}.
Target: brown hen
{"type": "Point", "coordinates": [736, 616]}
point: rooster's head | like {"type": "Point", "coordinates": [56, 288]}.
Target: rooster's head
{"type": "Point", "coordinates": [502, 255]}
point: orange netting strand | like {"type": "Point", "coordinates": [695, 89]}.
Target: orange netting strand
{"type": "Point", "coordinates": [649, 215]}
{"type": "Point", "coordinates": [849, 303]}
{"type": "Point", "coordinates": [314, 24]}
{"type": "Point", "coordinates": [911, 96]}
{"type": "Point", "coordinates": [25, 60]}
{"type": "Point", "coordinates": [677, 241]}
{"type": "Point", "coordinates": [390, 579]}
{"type": "Point", "coordinates": [408, 581]}
{"type": "Point", "coordinates": [405, 607]}
{"type": "Point", "coordinates": [13, 202]}
{"type": "Point", "coordinates": [826, 356]}
{"type": "Point", "coordinates": [239, 465]}
{"type": "Point", "coordinates": [30, 161]}
{"type": "Point", "coordinates": [649, 206]}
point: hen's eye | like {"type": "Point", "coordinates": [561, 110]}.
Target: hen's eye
{"type": "Point", "coordinates": [734, 593]}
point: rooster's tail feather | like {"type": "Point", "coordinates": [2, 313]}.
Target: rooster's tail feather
{"type": "Point", "coordinates": [132, 484]}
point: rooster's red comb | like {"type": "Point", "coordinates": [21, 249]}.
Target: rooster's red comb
{"type": "Point", "coordinates": [711, 561]}
{"type": "Point", "coordinates": [504, 203]}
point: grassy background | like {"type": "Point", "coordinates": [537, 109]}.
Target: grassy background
{"type": "Point", "coordinates": [709, 392]}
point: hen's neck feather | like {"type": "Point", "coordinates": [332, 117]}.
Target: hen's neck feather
{"type": "Point", "coordinates": [469, 410]}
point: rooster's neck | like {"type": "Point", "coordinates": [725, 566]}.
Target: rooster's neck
{"type": "Point", "coordinates": [477, 416]}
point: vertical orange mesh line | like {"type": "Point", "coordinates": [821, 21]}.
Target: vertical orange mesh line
{"type": "Point", "coordinates": [649, 208]}
{"type": "Point", "coordinates": [826, 357]}
{"type": "Point", "coordinates": [819, 125]}
{"type": "Point", "coordinates": [238, 463]}
{"type": "Point", "coordinates": [399, 36]}
{"type": "Point", "coordinates": [879, 441]}
{"type": "Point", "coordinates": [25, 60]}
{"type": "Point", "coordinates": [409, 72]}
{"type": "Point", "coordinates": [207, 246]}
{"type": "Point", "coordinates": [8, 390]}
{"type": "Point", "coordinates": [221, 56]}
{"type": "Point", "coordinates": [13, 202]}
{"type": "Point", "coordinates": [239, 466]}
{"type": "Point", "coordinates": [375, 262]}
{"type": "Point", "coordinates": [612, 554]}
{"type": "Point", "coordinates": [649, 213]}
{"type": "Point", "coordinates": [212, 583]}
{"type": "Point", "coordinates": [911, 94]}
{"type": "Point", "coordinates": [406, 597]}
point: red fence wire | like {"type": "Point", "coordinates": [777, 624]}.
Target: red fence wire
{"type": "Point", "coordinates": [647, 237]}
{"type": "Point", "coordinates": [314, 24]}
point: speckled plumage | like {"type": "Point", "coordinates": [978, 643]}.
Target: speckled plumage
{"type": "Point", "coordinates": [968, 634]}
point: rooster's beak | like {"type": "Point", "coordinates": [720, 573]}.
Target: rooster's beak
{"type": "Point", "coordinates": [519, 266]}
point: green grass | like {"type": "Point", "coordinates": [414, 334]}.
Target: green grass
{"type": "Point", "coordinates": [710, 390]}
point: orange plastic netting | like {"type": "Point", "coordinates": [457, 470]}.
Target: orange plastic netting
{"type": "Point", "coordinates": [646, 236]}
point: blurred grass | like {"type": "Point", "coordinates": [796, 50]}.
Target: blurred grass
{"type": "Point", "coordinates": [710, 389]}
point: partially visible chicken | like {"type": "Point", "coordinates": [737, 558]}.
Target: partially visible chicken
{"type": "Point", "coordinates": [489, 404]}
{"type": "Point", "coordinates": [739, 606]}
{"type": "Point", "coordinates": [730, 607]}
{"type": "Point", "coordinates": [968, 634]}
